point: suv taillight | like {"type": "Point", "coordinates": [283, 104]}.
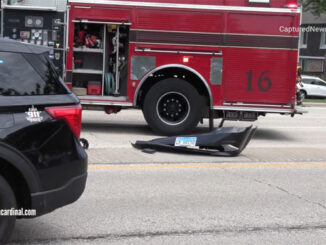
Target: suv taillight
{"type": "Point", "coordinates": [71, 114]}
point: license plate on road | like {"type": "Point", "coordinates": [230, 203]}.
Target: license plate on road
{"type": "Point", "coordinates": [185, 141]}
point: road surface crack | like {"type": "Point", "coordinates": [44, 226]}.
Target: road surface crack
{"type": "Point", "coordinates": [130, 235]}
{"type": "Point", "coordinates": [278, 188]}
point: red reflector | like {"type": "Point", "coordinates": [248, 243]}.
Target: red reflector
{"type": "Point", "coordinates": [293, 5]}
{"type": "Point", "coordinates": [72, 115]}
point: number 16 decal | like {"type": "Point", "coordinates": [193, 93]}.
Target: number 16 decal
{"type": "Point", "coordinates": [264, 83]}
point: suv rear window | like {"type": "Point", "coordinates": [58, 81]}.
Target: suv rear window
{"type": "Point", "coordinates": [28, 74]}
{"type": "Point", "coordinates": [320, 83]}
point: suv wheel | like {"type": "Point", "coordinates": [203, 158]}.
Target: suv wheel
{"type": "Point", "coordinates": [7, 201]}
{"type": "Point", "coordinates": [172, 107]}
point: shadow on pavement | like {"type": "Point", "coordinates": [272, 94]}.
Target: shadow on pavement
{"type": "Point", "coordinates": [271, 134]}
{"type": "Point", "coordinates": [117, 128]}
{"type": "Point", "coordinates": [137, 129]}
{"type": "Point", "coordinates": [145, 130]}
{"type": "Point", "coordinates": [35, 232]}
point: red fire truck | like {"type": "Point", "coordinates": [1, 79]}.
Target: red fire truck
{"type": "Point", "coordinates": [184, 60]}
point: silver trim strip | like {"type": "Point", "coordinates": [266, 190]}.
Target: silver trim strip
{"type": "Point", "coordinates": [86, 102]}
{"type": "Point", "coordinates": [105, 98]}
{"type": "Point", "coordinates": [255, 109]}
{"type": "Point", "coordinates": [188, 6]}
{"type": "Point", "coordinates": [61, 49]}
{"type": "Point", "coordinates": [104, 56]}
{"type": "Point", "coordinates": [101, 22]}
{"type": "Point", "coordinates": [212, 46]}
{"type": "Point", "coordinates": [262, 105]}
{"type": "Point", "coordinates": [148, 50]}
{"type": "Point", "coordinates": [29, 8]}
{"type": "Point", "coordinates": [312, 57]}
{"type": "Point", "coordinates": [83, 7]}
{"type": "Point", "coordinates": [258, 1]}
{"type": "Point", "coordinates": [2, 19]}
{"type": "Point", "coordinates": [65, 48]}
{"type": "Point", "coordinates": [300, 36]}
{"type": "Point", "coordinates": [142, 81]}
{"type": "Point", "coordinates": [117, 62]}
{"type": "Point", "coordinates": [67, 28]}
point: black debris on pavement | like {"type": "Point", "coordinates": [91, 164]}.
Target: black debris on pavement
{"type": "Point", "coordinates": [224, 142]}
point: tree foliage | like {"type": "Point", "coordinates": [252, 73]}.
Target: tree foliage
{"type": "Point", "coordinates": [316, 6]}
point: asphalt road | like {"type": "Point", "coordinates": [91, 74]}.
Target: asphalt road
{"type": "Point", "coordinates": [182, 205]}
{"type": "Point", "coordinates": [274, 193]}
{"type": "Point", "coordinates": [278, 139]}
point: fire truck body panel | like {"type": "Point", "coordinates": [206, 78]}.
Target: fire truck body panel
{"type": "Point", "coordinates": [238, 53]}
{"type": "Point", "coordinates": [248, 5]}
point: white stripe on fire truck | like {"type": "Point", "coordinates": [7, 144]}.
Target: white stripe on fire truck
{"type": "Point", "coordinates": [216, 39]}
{"type": "Point", "coordinates": [214, 33]}
{"type": "Point", "coordinates": [190, 6]}
{"type": "Point", "coordinates": [212, 46]}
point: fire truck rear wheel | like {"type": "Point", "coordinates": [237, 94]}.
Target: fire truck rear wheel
{"type": "Point", "coordinates": [7, 201]}
{"type": "Point", "coordinates": [172, 107]}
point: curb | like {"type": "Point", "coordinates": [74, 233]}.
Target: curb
{"type": "Point", "coordinates": [313, 104]}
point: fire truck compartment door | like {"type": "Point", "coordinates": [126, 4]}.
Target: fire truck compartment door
{"type": "Point", "coordinates": [259, 76]}
{"type": "Point", "coordinates": [260, 61]}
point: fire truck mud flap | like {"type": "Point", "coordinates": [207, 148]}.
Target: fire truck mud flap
{"type": "Point", "coordinates": [223, 142]}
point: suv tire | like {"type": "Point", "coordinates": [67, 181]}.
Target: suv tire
{"type": "Point", "coordinates": [7, 201]}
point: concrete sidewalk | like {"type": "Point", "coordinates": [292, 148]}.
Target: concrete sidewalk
{"type": "Point", "coordinates": [314, 104]}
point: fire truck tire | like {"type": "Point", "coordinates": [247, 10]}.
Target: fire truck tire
{"type": "Point", "coordinates": [7, 201]}
{"type": "Point", "coordinates": [172, 107]}
{"type": "Point", "coordinates": [303, 94]}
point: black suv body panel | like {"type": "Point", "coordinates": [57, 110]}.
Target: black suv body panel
{"type": "Point", "coordinates": [46, 152]}
{"type": "Point", "coordinates": [50, 146]}
{"type": "Point", "coordinates": [22, 164]}
{"type": "Point", "coordinates": [45, 202]}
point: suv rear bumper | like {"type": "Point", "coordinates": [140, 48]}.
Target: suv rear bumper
{"type": "Point", "coordinates": [45, 202]}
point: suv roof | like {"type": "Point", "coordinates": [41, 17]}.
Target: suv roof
{"type": "Point", "coordinates": [28, 77]}
{"type": "Point", "coordinates": [311, 77]}
{"type": "Point", "coordinates": [7, 45]}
